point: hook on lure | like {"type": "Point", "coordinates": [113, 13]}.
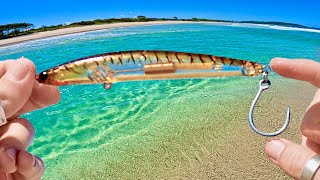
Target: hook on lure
{"type": "Point", "coordinates": [264, 84]}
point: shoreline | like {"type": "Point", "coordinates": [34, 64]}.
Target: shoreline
{"type": "Point", "coordinates": [89, 28]}
{"type": "Point", "coordinates": [75, 30]}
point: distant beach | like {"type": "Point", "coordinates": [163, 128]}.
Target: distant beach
{"type": "Point", "coordinates": [87, 28]}
{"type": "Point", "coordinates": [73, 30]}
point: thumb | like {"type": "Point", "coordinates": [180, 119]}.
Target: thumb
{"type": "Point", "coordinates": [16, 82]}
{"type": "Point", "coordinates": [310, 125]}
{"type": "Point", "coordinates": [290, 157]}
{"type": "Point", "coordinates": [29, 167]}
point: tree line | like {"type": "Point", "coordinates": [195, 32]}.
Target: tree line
{"type": "Point", "coordinates": [15, 29]}
{"type": "Point", "coordinates": [18, 29]}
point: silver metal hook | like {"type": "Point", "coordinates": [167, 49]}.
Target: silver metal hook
{"type": "Point", "coordinates": [263, 87]}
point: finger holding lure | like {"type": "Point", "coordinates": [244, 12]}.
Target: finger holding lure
{"type": "Point", "coordinates": [140, 65]}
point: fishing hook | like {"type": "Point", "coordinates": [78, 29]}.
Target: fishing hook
{"type": "Point", "coordinates": [264, 84]}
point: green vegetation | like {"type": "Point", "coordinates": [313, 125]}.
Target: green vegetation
{"type": "Point", "coordinates": [19, 29]}
{"type": "Point", "coordinates": [16, 29]}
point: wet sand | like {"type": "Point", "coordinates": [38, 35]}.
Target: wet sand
{"type": "Point", "coordinates": [211, 140]}
{"type": "Point", "coordinates": [73, 30]}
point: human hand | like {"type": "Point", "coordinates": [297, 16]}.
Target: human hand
{"type": "Point", "coordinates": [21, 93]}
{"type": "Point", "coordinates": [291, 157]}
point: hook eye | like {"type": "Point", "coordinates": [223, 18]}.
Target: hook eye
{"type": "Point", "coordinates": [264, 84]}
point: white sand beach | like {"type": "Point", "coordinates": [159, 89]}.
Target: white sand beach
{"type": "Point", "coordinates": [73, 30]}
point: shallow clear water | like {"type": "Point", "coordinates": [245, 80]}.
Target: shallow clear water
{"type": "Point", "coordinates": [90, 117]}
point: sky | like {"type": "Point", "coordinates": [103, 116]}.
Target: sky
{"type": "Point", "coordinates": [46, 12]}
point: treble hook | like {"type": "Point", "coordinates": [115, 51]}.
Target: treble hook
{"type": "Point", "coordinates": [261, 89]}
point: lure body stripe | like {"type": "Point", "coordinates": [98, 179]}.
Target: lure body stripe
{"type": "Point", "coordinates": [145, 65]}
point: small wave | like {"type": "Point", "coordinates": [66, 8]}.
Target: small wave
{"type": "Point", "coordinates": [83, 36]}
{"type": "Point", "coordinates": [294, 29]}
{"type": "Point", "coordinates": [63, 39]}
{"type": "Point", "coordinates": [249, 25]}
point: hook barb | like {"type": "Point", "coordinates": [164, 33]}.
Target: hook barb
{"type": "Point", "coordinates": [251, 121]}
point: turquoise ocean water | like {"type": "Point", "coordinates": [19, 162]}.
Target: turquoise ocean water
{"type": "Point", "coordinates": [90, 117]}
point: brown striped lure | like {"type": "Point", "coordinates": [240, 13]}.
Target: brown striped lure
{"type": "Point", "coordinates": [145, 65]}
{"type": "Point", "coordinates": [140, 65]}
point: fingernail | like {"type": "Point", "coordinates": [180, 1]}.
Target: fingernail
{"type": "Point", "coordinates": [12, 153]}
{"type": "Point", "coordinates": [34, 161]}
{"type": "Point", "coordinates": [274, 149]}
{"type": "Point", "coordinates": [20, 70]}
{"type": "Point", "coordinates": [280, 60]}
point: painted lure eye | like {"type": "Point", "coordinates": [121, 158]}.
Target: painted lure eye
{"type": "Point", "coordinates": [43, 76]}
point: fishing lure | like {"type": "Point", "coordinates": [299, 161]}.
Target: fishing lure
{"type": "Point", "coordinates": [139, 65]}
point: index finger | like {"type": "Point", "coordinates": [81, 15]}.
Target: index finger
{"type": "Point", "coordinates": [300, 69]}
{"type": "Point", "coordinates": [41, 96]}
{"type": "Point", "coordinates": [16, 82]}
